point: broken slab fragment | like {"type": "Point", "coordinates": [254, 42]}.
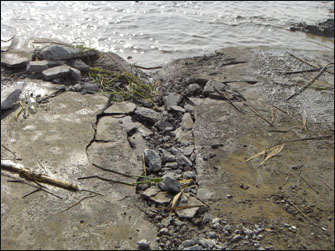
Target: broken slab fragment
{"type": "Point", "coordinates": [10, 95]}
{"type": "Point", "coordinates": [59, 52]}
{"type": "Point", "coordinates": [61, 71]}
{"type": "Point", "coordinates": [37, 66]}
{"type": "Point", "coordinates": [183, 160]}
{"type": "Point", "coordinates": [177, 108]}
{"type": "Point", "coordinates": [163, 126]}
{"type": "Point", "coordinates": [147, 115]}
{"type": "Point", "coordinates": [17, 58]}
{"type": "Point", "coordinates": [151, 191]}
{"type": "Point", "coordinates": [120, 108]}
{"type": "Point", "coordinates": [152, 160]}
{"type": "Point", "coordinates": [109, 129]}
{"type": "Point", "coordinates": [188, 213]}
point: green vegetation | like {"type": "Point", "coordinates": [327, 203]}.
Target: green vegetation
{"type": "Point", "coordinates": [122, 85]}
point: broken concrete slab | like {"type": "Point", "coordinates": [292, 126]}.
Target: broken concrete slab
{"type": "Point", "coordinates": [109, 129]}
{"type": "Point", "coordinates": [211, 87]}
{"type": "Point", "coordinates": [121, 108]}
{"type": "Point", "coordinates": [17, 58]}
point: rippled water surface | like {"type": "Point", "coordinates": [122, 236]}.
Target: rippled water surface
{"type": "Point", "coordinates": [153, 33]}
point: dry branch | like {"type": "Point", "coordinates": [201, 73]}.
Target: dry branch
{"type": "Point", "coordinates": [29, 175]}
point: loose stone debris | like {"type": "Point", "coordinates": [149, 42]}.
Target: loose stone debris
{"type": "Point", "coordinates": [168, 152]}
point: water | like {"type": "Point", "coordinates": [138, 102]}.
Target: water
{"type": "Point", "coordinates": [153, 33]}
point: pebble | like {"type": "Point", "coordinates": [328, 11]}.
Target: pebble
{"type": "Point", "coordinates": [212, 235]}
{"type": "Point", "coordinates": [207, 244]}
{"type": "Point", "coordinates": [143, 244]}
{"type": "Point", "coordinates": [189, 243]}
{"type": "Point", "coordinates": [206, 219]}
{"type": "Point", "coordinates": [164, 231]}
{"type": "Point", "coordinates": [236, 238]}
{"type": "Point", "coordinates": [183, 160]}
{"type": "Point", "coordinates": [189, 175]}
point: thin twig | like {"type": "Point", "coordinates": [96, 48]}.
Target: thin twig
{"type": "Point", "coordinates": [38, 189]}
{"type": "Point", "coordinates": [9, 150]}
{"type": "Point", "coordinates": [305, 62]}
{"type": "Point", "coordinates": [301, 212]}
{"type": "Point", "coordinates": [288, 176]}
{"type": "Point", "coordinates": [75, 204]}
{"type": "Point", "coordinates": [309, 184]}
{"type": "Point", "coordinates": [259, 114]}
{"type": "Point", "coordinates": [297, 72]}
{"type": "Point", "coordinates": [112, 171]}
{"type": "Point", "coordinates": [229, 100]}
{"type": "Point", "coordinates": [42, 166]}
{"type": "Point", "coordinates": [324, 182]}
{"type": "Point", "coordinates": [309, 83]}
{"type": "Point", "coordinates": [193, 195]}
{"type": "Point", "coordinates": [104, 179]}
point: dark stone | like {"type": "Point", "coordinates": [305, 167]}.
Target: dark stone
{"type": "Point", "coordinates": [152, 160]}
{"type": "Point", "coordinates": [325, 28]}
{"type": "Point", "coordinates": [183, 161]}
{"type": "Point", "coordinates": [163, 126]}
{"type": "Point", "coordinates": [79, 65]}
{"type": "Point", "coordinates": [172, 185]}
{"type": "Point", "coordinates": [59, 52]}
{"type": "Point", "coordinates": [147, 115]}
{"type": "Point", "coordinates": [37, 66]}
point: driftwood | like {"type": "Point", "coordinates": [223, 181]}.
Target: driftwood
{"type": "Point", "coordinates": [29, 175]}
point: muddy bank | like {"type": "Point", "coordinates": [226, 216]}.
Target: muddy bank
{"type": "Point", "coordinates": [195, 143]}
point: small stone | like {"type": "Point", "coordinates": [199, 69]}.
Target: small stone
{"type": "Point", "coordinates": [90, 88]}
{"type": "Point", "coordinates": [75, 74]}
{"type": "Point", "coordinates": [236, 238]}
{"type": "Point", "coordinates": [229, 196]}
{"type": "Point", "coordinates": [247, 231]}
{"type": "Point", "coordinates": [163, 126]}
{"type": "Point", "coordinates": [196, 247]}
{"type": "Point", "coordinates": [207, 244]}
{"type": "Point", "coordinates": [56, 72]}
{"type": "Point", "coordinates": [143, 244]}
{"type": "Point", "coordinates": [152, 160]}
{"type": "Point", "coordinates": [189, 108]}
{"type": "Point", "coordinates": [189, 175]}
{"type": "Point", "coordinates": [227, 228]}
{"type": "Point", "coordinates": [147, 115]}
{"type": "Point", "coordinates": [210, 89]}
{"type": "Point", "coordinates": [151, 191]}
{"type": "Point", "coordinates": [187, 122]}
{"type": "Point", "coordinates": [183, 160]}
{"type": "Point", "coordinates": [188, 150]}
{"type": "Point", "coordinates": [79, 65]}
{"type": "Point", "coordinates": [172, 165]}
{"type": "Point", "coordinates": [212, 235]}
{"type": "Point", "coordinates": [121, 108]}
{"type": "Point", "coordinates": [193, 89]}
{"type": "Point", "coordinates": [189, 243]}
{"type": "Point", "coordinates": [164, 231]}
{"type": "Point", "coordinates": [172, 99]}
{"type": "Point", "coordinates": [172, 185]}
{"type": "Point", "coordinates": [10, 95]}
{"type": "Point", "coordinates": [177, 108]}
{"type": "Point", "coordinates": [206, 218]}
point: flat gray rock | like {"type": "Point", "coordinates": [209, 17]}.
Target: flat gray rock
{"type": "Point", "coordinates": [187, 122]}
{"type": "Point", "coordinates": [188, 213]}
{"type": "Point", "coordinates": [17, 58]}
{"type": "Point", "coordinates": [121, 108]}
{"type": "Point", "coordinates": [209, 89]}
{"type": "Point", "coordinates": [56, 72]}
{"type": "Point", "coordinates": [79, 65]}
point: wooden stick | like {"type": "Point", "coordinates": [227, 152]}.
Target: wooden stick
{"type": "Point", "coordinates": [309, 184]}
{"type": "Point", "coordinates": [288, 176]}
{"type": "Point", "coordinates": [309, 83]}
{"type": "Point", "coordinates": [259, 114]}
{"type": "Point", "coordinates": [301, 212]}
{"type": "Point", "coordinates": [26, 173]}
{"type": "Point", "coordinates": [229, 100]}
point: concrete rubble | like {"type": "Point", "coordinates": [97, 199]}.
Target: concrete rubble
{"type": "Point", "coordinates": [172, 175]}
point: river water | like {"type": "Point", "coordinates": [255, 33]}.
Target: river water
{"type": "Point", "coordinates": [153, 33]}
